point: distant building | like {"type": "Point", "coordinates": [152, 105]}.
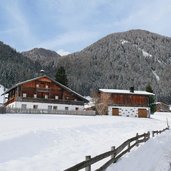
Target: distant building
{"type": "Point", "coordinates": [126, 102]}
{"type": "Point", "coordinates": [162, 107]}
{"type": "Point", "coordinates": [43, 93]}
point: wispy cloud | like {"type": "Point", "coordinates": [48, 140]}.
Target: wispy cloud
{"type": "Point", "coordinates": [69, 39]}
{"type": "Point", "coordinates": [150, 15]}
{"type": "Point", "coordinates": [18, 31]}
{"type": "Point", "coordinates": [74, 24]}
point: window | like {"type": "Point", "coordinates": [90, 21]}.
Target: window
{"type": "Point", "coordinates": [46, 96]}
{"type": "Point", "coordinates": [55, 107]}
{"type": "Point", "coordinates": [56, 97]}
{"type": "Point", "coordinates": [49, 107]}
{"type": "Point", "coordinates": [24, 95]}
{"type": "Point", "coordinates": [66, 108]}
{"type": "Point", "coordinates": [35, 106]}
{"type": "Point", "coordinates": [35, 95]}
{"type": "Point", "coordinates": [23, 106]}
{"type": "Point", "coordinates": [47, 86]}
{"type": "Point", "coordinates": [76, 108]}
{"type": "Point", "coordinates": [37, 85]}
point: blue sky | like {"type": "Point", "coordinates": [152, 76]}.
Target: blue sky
{"type": "Point", "coordinates": [71, 25]}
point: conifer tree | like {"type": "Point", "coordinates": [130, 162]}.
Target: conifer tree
{"type": "Point", "coordinates": [151, 99]}
{"type": "Point", "coordinates": [149, 88]}
{"type": "Point", "coordinates": [61, 76]}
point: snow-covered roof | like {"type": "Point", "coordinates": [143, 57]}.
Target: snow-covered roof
{"type": "Point", "coordinates": [117, 91]}
{"type": "Point", "coordinates": [66, 88]}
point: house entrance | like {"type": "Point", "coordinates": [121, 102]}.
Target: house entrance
{"type": "Point", "coordinates": [142, 113]}
{"type": "Point", "coordinates": [115, 111]}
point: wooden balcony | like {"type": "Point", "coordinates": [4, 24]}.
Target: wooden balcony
{"type": "Point", "coordinates": [36, 89]}
{"type": "Point", "coordinates": [44, 90]}
{"type": "Point", "coordinates": [53, 101]}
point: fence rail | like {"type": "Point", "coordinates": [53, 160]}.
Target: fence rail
{"type": "Point", "coordinates": [114, 153]}
{"type": "Point", "coordinates": [46, 111]}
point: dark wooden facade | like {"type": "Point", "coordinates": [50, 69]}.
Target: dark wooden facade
{"type": "Point", "coordinates": [125, 99]}
{"type": "Point", "coordinates": [43, 89]}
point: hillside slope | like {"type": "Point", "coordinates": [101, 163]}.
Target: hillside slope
{"type": "Point", "coordinates": [43, 56]}
{"type": "Point", "coordinates": [121, 60]}
{"type": "Point", "coordinates": [14, 67]}
{"type": "Point", "coordinates": [46, 58]}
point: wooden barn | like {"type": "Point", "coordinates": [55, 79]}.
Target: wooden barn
{"type": "Point", "coordinates": [44, 93]}
{"type": "Point", "coordinates": [126, 102]}
{"type": "Point", "coordinates": [162, 107]}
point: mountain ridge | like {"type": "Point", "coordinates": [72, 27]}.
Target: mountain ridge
{"type": "Point", "coordinates": [118, 60]}
{"type": "Point", "coordinates": [121, 60]}
{"type": "Point", "coordinates": [40, 55]}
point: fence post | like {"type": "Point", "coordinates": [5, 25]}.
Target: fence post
{"type": "Point", "coordinates": [137, 140]}
{"type": "Point", "coordinates": [148, 135]}
{"type": "Point", "coordinates": [152, 133]}
{"type": "Point", "coordinates": [113, 149]}
{"type": "Point", "coordinates": [129, 147]}
{"type": "Point", "coordinates": [88, 168]}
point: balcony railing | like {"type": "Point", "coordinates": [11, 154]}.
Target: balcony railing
{"type": "Point", "coordinates": [55, 101]}
{"type": "Point", "coordinates": [39, 89]}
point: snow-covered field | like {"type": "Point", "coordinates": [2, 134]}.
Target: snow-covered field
{"type": "Point", "coordinates": [56, 142]}
{"type": "Point", "coordinates": [154, 155]}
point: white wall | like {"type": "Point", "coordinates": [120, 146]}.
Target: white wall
{"type": "Point", "coordinates": [127, 111]}
{"type": "Point", "coordinates": [2, 98]}
{"type": "Point", "coordinates": [45, 105]}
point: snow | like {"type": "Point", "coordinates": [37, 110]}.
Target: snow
{"type": "Point", "coordinates": [154, 155]}
{"type": "Point", "coordinates": [90, 104]}
{"type": "Point", "coordinates": [56, 142]}
{"type": "Point", "coordinates": [63, 52]}
{"type": "Point", "coordinates": [159, 61]}
{"type": "Point", "coordinates": [146, 54]}
{"type": "Point", "coordinates": [124, 41]}
{"type": "Point", "coordinates": [156, 76]}
{"type": "Point", "coordinates": [125, 91]}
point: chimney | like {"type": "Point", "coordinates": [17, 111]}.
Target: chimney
{"type": "Point", "coordinates": [42, 72]}
{"type": "Point", "coordinates": [131, 89]}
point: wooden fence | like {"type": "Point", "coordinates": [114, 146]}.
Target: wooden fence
{"type": "Point", "coordinates": [114, 153]}
{"type": "Point", "coordinates": [2, 109]}
{"type": "Point", "coordinates": [46, 111]}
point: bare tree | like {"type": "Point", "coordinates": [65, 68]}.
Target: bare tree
{"type": "Point", "coordinates": [101, 101]}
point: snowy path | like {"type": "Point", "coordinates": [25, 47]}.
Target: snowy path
{"type": "Point", "coordinates": [154, 155]}
{"type": "Point", "coordinates": [54, 143]}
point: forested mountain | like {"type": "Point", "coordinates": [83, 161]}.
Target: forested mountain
{"type": "Point", "coordinates": [46, 58]}
{"type": "Point", "coordinates": [121, 60]}
{"type": "Point", "coordinates": [14, 67]}
{"type": "Point", "coordinates": [41, 55]}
